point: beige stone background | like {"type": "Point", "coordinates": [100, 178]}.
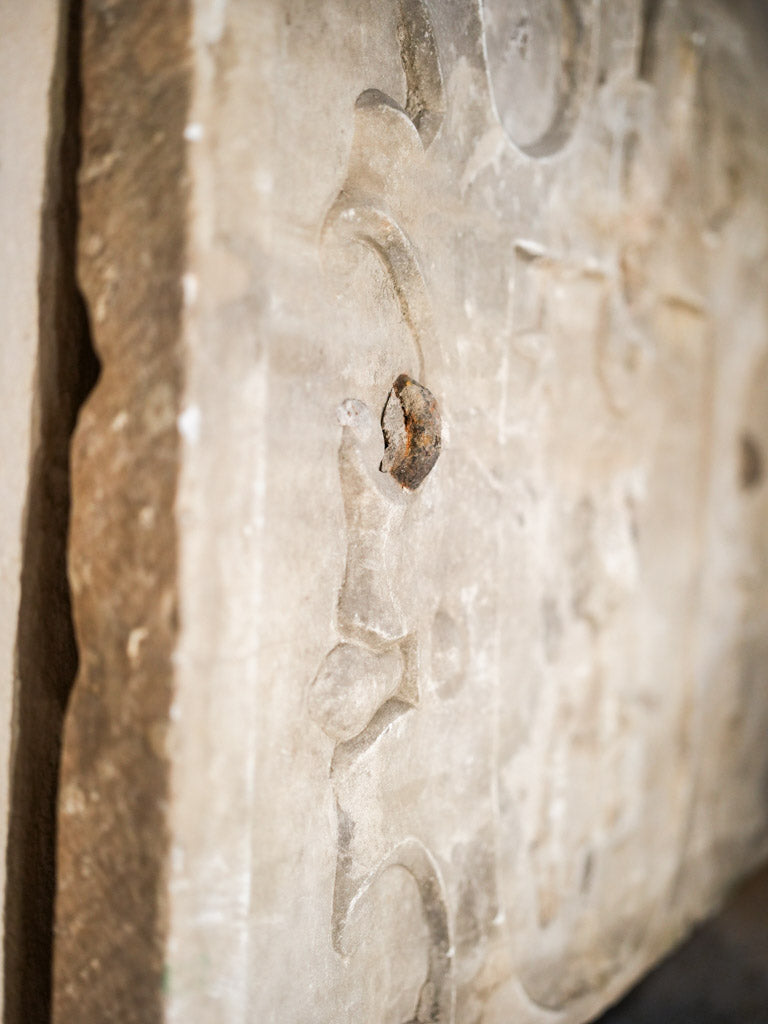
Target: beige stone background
{"type": "Point", "coordinates": [337, 751]}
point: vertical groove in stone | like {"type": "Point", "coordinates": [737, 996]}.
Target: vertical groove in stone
{"type": "Point", "coordinates": [46, 654]}
{"type": "Point", "coordinates": [112, 840]}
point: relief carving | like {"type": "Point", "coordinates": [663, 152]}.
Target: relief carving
{"type": "Point", "coordinates": [541, 61]}
{"type": "Point", "coordinates": [371, 678]}
{"type": "Point", "coordinates": [364, 685]}
{"type": "Point", "coordinates": [595, 335]}
{"type": "Point", "coordinates": [425, 104]}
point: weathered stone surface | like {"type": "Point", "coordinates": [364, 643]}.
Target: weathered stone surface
{"type": "Point", "coordinates": [553, 218]}
{"type": "Point", "coordinates": [113, 830]}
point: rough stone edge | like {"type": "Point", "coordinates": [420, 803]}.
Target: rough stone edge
{"type": "Point", "coordinates": [113, 843]}
{"type": "Point", "coordinates": [45, 652]}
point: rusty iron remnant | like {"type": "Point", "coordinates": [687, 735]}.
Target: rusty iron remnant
{"type": "Point", "coordinates": [411, 426]}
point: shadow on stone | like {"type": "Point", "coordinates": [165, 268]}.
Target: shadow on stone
{"type": "Point", "coordinates": [720, 976]}
{"type": "Point", "coordinates": [46, 654]}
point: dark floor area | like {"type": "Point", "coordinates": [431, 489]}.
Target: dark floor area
{"type": "Point", "coordinates": [720, 976]}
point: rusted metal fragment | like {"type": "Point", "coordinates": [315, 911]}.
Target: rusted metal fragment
{"type": "Point", "coordinates": [411, 425]}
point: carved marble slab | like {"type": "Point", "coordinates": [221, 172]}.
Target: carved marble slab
{"type": "Point", "coordinates": [482, 748]}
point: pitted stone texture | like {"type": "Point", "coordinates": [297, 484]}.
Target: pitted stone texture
{"type": "Point", "coordinates": [553, 771]}
{"type": "Point", "coordinates": [113, 832]}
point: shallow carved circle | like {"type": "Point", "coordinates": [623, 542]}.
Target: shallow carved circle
{"type": "Point", "coordinates": [351, 685]}
{"type": "Point", "coordinates": [539, 56]}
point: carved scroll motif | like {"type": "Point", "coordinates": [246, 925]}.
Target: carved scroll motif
{"type": "Point", "coordinates": [370, 679]}
{"type": "Point", "coordinates": [367, 694]}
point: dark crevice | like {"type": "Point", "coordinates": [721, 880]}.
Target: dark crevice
{"type": "Point", "coordinates": [719, 976]}
{"type": "Point", "coordinates": [46, 652]}
{"type": "Point", "coordinates": [651, 15]}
